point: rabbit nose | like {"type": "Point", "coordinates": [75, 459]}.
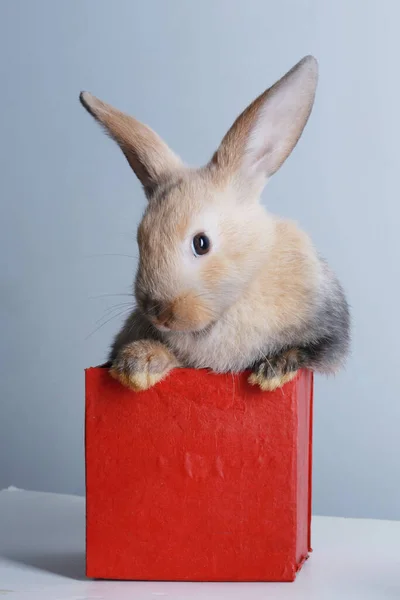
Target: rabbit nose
{"type": "Point", "coordinates": [157, 310]}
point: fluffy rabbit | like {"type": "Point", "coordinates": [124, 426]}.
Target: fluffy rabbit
{"type": "Point", "coordinates": [221, 283]}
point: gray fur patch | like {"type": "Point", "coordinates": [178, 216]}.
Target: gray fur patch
{"type": "Point", "coordinates": [325, 336]}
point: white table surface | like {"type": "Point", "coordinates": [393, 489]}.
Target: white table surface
{"type": "Point", "coordinates": [42, 558]}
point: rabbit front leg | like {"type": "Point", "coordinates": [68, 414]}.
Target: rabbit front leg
{"type": "Point", "coordinates": [324, 354]}
{"type": "Point", "coordinates": [139, 358]}
{"type": "Point", "coordinates": [272, 372]}
{"type": "Point", "coordinates": [142, 363]}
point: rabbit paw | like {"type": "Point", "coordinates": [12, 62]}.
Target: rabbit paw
{"type": "Point", "coordinates": [271, 373]}
{"type": "Point", "coordinates": [141, 364]}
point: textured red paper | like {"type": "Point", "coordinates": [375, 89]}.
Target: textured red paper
{"type": "Point", "coordinates": [201, 478]}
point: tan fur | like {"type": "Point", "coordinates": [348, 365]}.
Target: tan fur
{"type": "Point", "coordinates": [150, 158]}
{"type": "Point", "coordinates": [213, 271]}
{"type": "Point", "coordinates": [292, 276]}
{"type": "Point", "coordinates": [189, 309]}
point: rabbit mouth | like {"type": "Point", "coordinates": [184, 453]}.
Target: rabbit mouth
{"type": "Point", "coordinates": [178, 327]}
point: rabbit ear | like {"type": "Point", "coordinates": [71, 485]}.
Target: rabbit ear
{"type": "Point", "coordinates": [150, 158]}
{"type": "Point", "coordinates": [264, 135]}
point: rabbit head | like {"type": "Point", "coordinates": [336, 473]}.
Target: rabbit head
{"type": "Point", "coordinates": [205, 235]}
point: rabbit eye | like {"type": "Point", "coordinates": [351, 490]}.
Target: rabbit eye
{"type": "Point", "coordinates": [201, 244]}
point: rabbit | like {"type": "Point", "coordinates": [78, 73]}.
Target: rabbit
{"type": "Point", "coordinates": [221, 283]}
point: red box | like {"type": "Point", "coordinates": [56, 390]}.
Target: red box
{"type": "Point", "coordinates": [201, 478]}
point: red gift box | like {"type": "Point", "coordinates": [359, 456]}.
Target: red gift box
{"type": "Point", "coordinates": [201, 478]}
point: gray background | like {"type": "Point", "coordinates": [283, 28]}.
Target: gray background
{"type": "Point", "coordinates": [70, 205]}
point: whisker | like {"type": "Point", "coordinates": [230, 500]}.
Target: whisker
{"type": "Point", "coordinates": [111, 309]}
{"type": "Point", "coordinates": [119, 309]}
{"type": "Point", "coordinates": [109, 296]}
{"type": "Point", "coordinates": [270, 365]}
{"type": "Point", "coordinates": [108, 320]}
